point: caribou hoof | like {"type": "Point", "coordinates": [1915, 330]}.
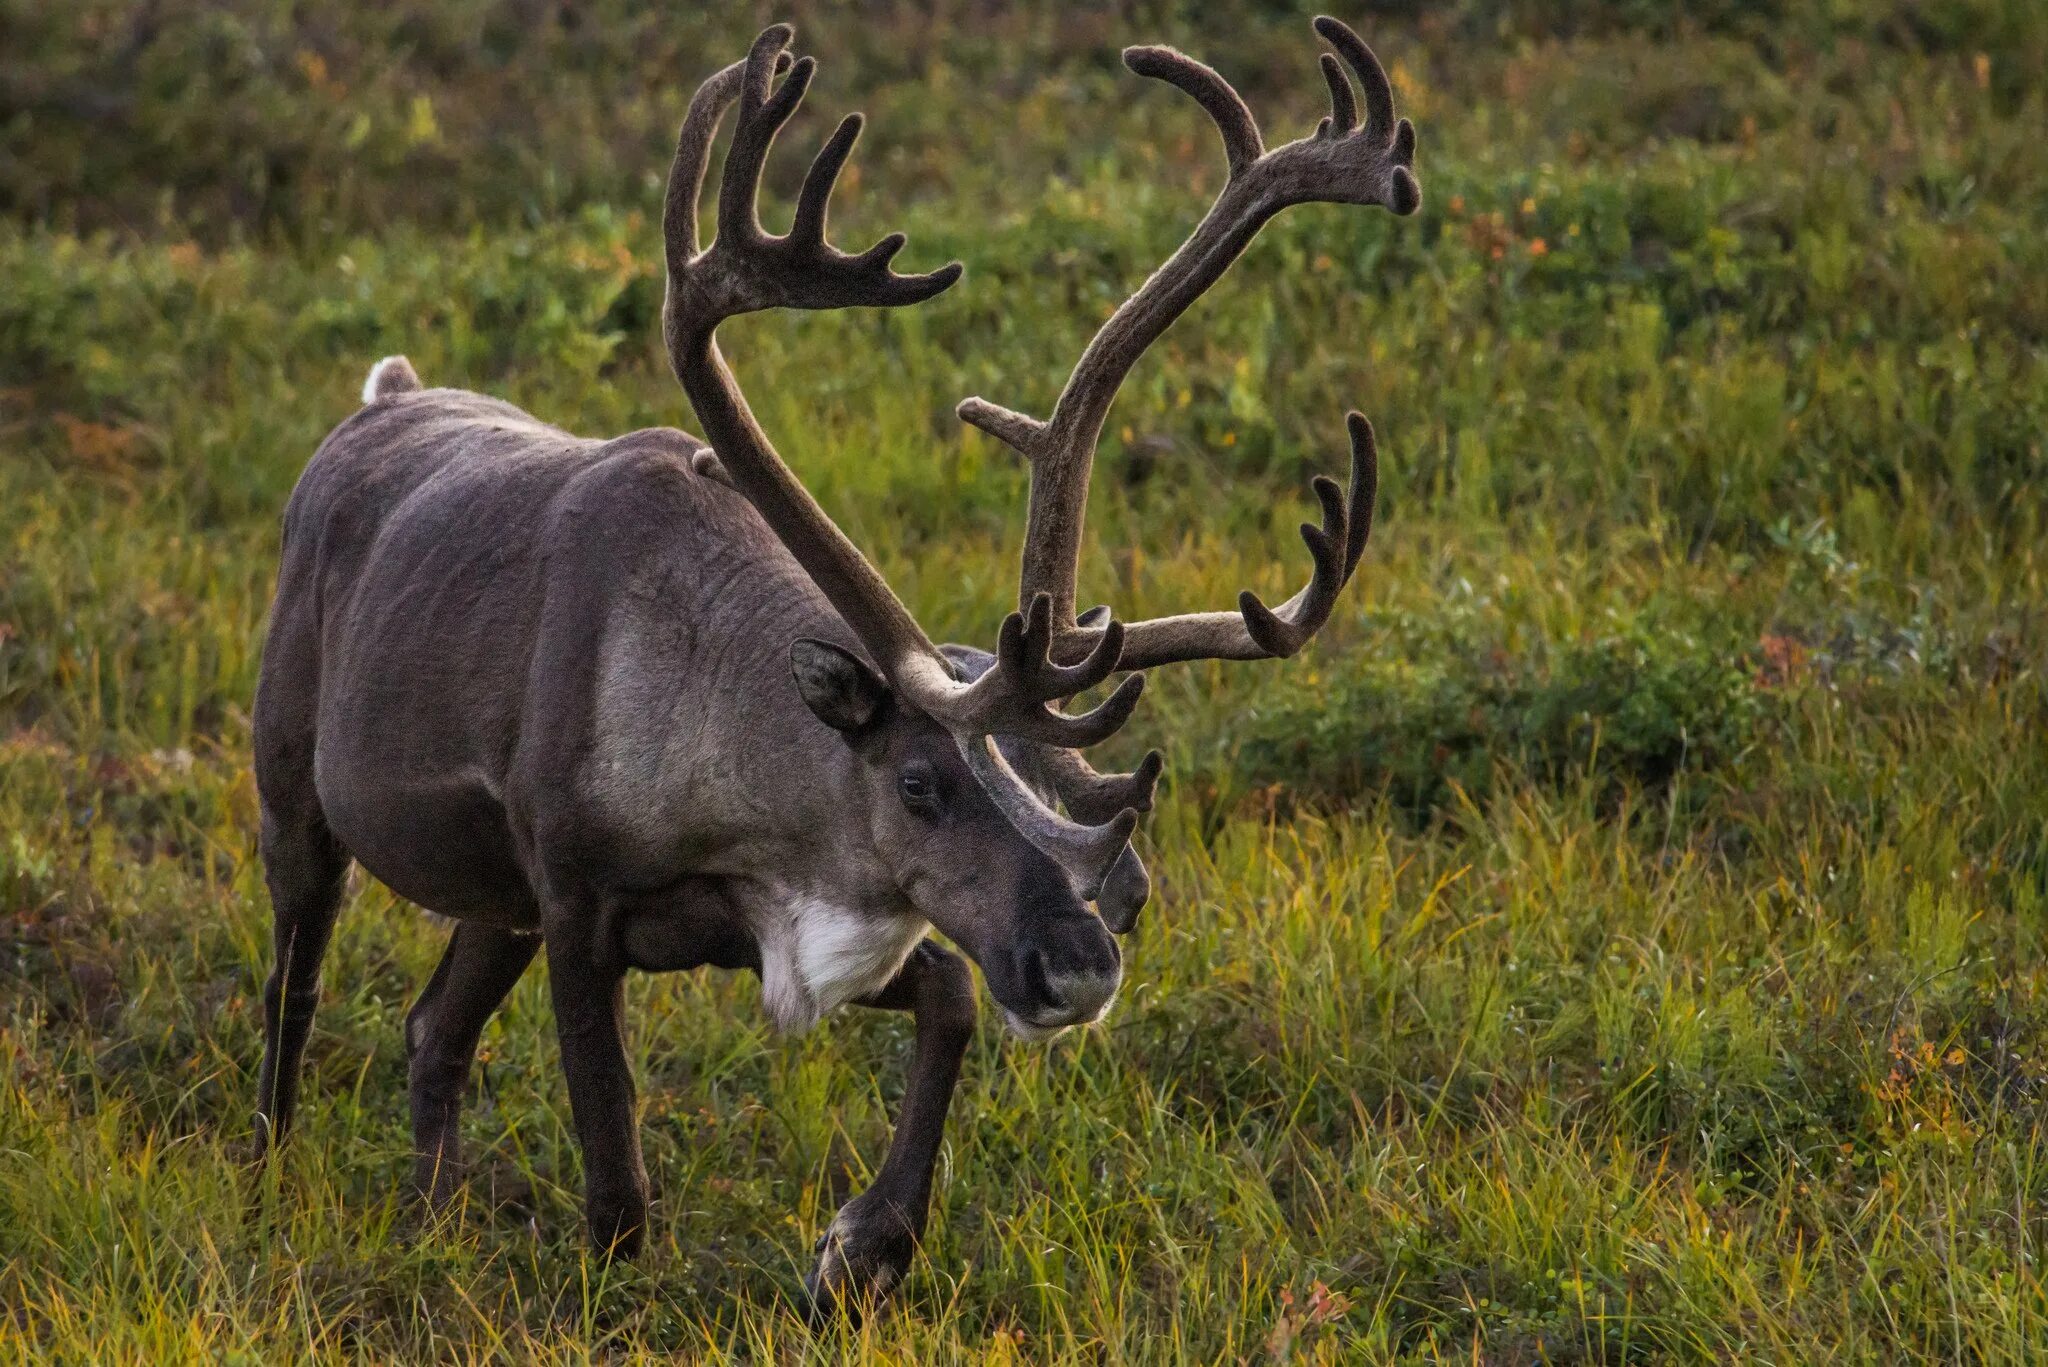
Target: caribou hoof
{"type": "Point", "coordinates": [861, 1258]}
{"type": "Point", "coordinates": [617, 1226]}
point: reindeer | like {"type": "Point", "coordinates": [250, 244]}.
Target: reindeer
{"type": "Point", "coordinates": [641, 702]}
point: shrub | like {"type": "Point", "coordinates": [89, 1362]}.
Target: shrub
{"type": "Point", "coordinates": [1423, 721]}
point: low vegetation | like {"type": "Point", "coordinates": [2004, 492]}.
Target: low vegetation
{"type": "Point", "coordinates": [1620, 938]}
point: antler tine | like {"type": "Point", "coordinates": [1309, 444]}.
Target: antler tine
{"type": "Point", "coordinates": [746, 269]}
{"type": "Point", "coordinates": [1125, 890]}
{"type": "Point", "coordinates": [1372, 77]}
{"type": "Point", "coordinates": [1242, 144]}
{"type": "Point", "coordinates": [813, 201]}
{"type": "Point", "coordinates": [1022, 434]}
{"type": "Point", "coordinates": [1365, 487]}
{"type": "Point", "coordinates": [1089, 853]}
{"type": "Point", "coordinates": [693, 155]}
{"type": "Point", "coordinates": [1335, 547]}
{"type": "Point", "coordinates": [1094, 797]}
{"type": "Point", "coordinates": [1343, 109]}
{"type": "Point", "coordinates": [763, 111]}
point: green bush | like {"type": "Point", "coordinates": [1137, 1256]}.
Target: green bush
{"type": "Point", "coordinates": [1430, 717]}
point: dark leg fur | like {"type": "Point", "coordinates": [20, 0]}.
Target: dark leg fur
{"type": "Point", "coordinates": [480, 966]}
{"type": "Point", "coordinates": [304, 867]}
{"type": "Point", "coordinates": [588, 988]}
{"type": "Point", "coordinates": [867, 1249]}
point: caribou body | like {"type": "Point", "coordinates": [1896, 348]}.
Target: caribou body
{"type": "Point", "coordinates": [641, 703]}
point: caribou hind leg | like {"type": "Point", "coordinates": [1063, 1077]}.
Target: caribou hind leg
{"type": "Point", "coordinates": [304, 866]}
{"type": "Point", "coordinates": [304, 862]}
{"type": "Point", "coordinates": [480, 967]}
{"type": "Point", "coordinates": [868, 1247]}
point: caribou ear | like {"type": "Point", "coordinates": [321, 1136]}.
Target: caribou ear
{"type": "Point", "coordinates": [836, 685]}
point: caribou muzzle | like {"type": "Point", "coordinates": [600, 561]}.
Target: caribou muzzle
{"type": "Point", "coordinates": [1064, 970]}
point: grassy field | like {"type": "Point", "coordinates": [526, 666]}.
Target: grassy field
{"type": "Point", "coordinates": [1621, 938]}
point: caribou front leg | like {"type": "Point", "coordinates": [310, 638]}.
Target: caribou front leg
{"type": "Point", "coordinates": [868, 1247]}
{"type": "Point", "coordinates": [588, 988]}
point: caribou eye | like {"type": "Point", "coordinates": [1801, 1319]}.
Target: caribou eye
{"type": "Point", "coordinates": [918, 790]}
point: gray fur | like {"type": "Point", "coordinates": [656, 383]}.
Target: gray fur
{"type": "Point", "coordinates": [543, 685]}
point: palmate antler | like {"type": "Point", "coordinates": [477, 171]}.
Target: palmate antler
{"type": "Point", "coordinates": [746, 269]}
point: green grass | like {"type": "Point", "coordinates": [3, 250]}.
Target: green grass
{"type": "Point", "coordinates": [1619, 939]}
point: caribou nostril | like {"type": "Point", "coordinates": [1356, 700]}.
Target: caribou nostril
{"type": "Point", "coordinates": [1110, 959]}
{"type": "Point", "coordinates": [1037, 982]}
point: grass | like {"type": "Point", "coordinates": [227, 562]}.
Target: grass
{"type": "Point", "coordinates": [1620, 939]}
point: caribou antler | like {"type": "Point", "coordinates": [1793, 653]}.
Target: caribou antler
{"type": "Point", "coordinates": [746, 269]}
{"type": "Point", "coordinates": [1096, 800]}
{"type": "Point", "coordinates": [1255, 631]}
{"type": "Point", "coordinates": [1341, 162]}
{"type": "Point", "coordinates": [1090, 796]}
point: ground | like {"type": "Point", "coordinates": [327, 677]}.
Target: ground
{"type": "Point", "coordinates": [1619, 939]}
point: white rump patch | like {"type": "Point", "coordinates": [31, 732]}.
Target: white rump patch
{"type": "Point", "coordinates": [817, 956]}
{"type": "Point", "coordinates": [392, 375]}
